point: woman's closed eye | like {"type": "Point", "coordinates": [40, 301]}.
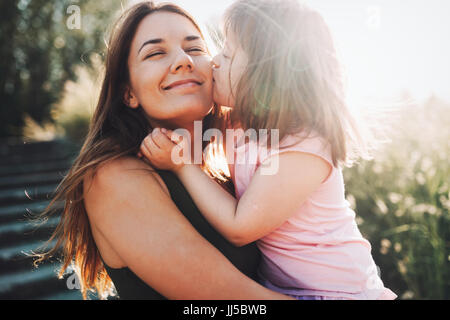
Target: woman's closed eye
{"type": "Point", "coordinates": [196, 49]}
{"type": "Point", "coordinates": [159, 53]}
{"type": "Point", "coordinates": [154, 54]}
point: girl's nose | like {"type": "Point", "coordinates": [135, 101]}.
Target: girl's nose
{"type": "Point", "coordinates": [215, 62]}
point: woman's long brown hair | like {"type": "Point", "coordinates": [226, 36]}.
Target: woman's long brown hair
{"type": "Point", "coordinates": [115, 131]}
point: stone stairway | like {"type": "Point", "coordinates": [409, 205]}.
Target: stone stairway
{"type": "Point", "coordinates": [29, 173]}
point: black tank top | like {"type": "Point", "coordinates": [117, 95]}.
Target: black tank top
{"type": "Point", "coordinates": [246, 258]}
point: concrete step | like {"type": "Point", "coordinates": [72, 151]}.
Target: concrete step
{"type": "Point", "coordinates": [16, 263]}
{"type": "Point", "coordinates": [35, 167]}
{"type": "Point", "coordinates": [17, 232]}
{"type": "Point", "coordinates": [22, 260]}
{"type": "Point", "coordinates": [33, 284]}
{"type": "Point", "coordinates": [28, 152]}
{"type": "Point", "coordinates": [33, 179]}
{"type": "Point", "coordinates": [26, 195]}
{"type": "Point", "coordinates": [64, 295]}
{"type": "Point", "coordinates": [9, 281]}
{"type": "Point", "coordinates": [14, 159]}
{"type": "Point", "coordinates": [23, 211]}
{"type": "Point", "coordinates": [19, 279]}
{"type": "Point", "coordinates": [19, 252]}
{"type": "Point", "coordinates": [18, 258]}
{"type": "Point", "coordinates": [29, 175]}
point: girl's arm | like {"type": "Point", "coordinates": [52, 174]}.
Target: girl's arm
{"type": "Point", "coordinates": [266, 204]}
{"type": "Point", "coordinates": [127, 205]}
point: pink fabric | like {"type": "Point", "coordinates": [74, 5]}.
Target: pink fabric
{"type": "Point", "coordinates": [319, 251]}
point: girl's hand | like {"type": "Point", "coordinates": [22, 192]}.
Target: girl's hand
{"type": "Point", "coordinates": [158, 147]}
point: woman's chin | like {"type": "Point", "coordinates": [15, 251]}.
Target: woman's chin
{"type": "Point", "coordinates": [195, 111]}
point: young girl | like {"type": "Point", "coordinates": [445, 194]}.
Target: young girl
{"type": "Point", "coordinates": [278, 70]}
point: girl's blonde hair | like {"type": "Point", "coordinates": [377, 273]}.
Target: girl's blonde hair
{"type": "Point", "coordinates": [293, 81]}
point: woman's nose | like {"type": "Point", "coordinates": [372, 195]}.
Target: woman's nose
{"type": "Point", "coordinates": [182, 61]}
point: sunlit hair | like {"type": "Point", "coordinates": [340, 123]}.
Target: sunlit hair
{"type": "Point", "coordinates": [115, 131]}
{"type": "Point", "coordinates": [293, 81]}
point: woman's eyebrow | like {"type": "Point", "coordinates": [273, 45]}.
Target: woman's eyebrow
{"type": "Point", "coordinates": [152, 41]}
{"type": "Point", "coordinates": [191, 38]}
{"type": "Point", "coordinates": [159, 40]}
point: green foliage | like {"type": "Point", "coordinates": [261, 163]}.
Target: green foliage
{"type": "Point", "coordinates": [39, 53]}
{"type": "Point", "coordinates": [402, 203]}
{"type": "Point", "coordinates": [76, 128]}
{"type": "Point", "coordinates": [72, 114]}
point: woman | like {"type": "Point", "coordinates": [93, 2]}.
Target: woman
{"type": "Point", "coordinates": [123, 220]}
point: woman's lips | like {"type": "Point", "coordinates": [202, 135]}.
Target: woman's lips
{"type": "Point", "coordinates": [184, 86]}
{"type": "Point", "coordinates": [189, 83]}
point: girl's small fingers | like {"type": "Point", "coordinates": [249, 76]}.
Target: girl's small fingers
{"type": "Point", "coordinates": [171, 135]}
{"type": "Point", "coordinates": [145, 151]}
{"type": "Point", "coordinates": [175, 137]}
{"type": "Point", "coordinates": [156, 132]}
{"type": "Point", "coordinates": [150, 144]}
{"type": "Point", "coordinates": [162, 140]}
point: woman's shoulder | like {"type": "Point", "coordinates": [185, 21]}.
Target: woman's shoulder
{"type": "Point", "coordinates": [122, 166]}
{"type": "Point", "coordinates": [113, 175]}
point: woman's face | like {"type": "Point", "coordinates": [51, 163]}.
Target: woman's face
{"type": "Point", "coordinates": [229, 66]}
{"type": "Point", "coordinates": [170, 70]}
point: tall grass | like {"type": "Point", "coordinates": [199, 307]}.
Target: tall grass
{"type": "Point", "coordinates": [401, 199]}
{"type": "Point", "coordinates": [71, 115]}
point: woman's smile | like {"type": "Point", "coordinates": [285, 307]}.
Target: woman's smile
{"type": "Point", "coordinates": [184, 86]}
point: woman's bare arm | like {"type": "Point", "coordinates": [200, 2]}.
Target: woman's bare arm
{"type": "Point", "coordinates": [130, 209]}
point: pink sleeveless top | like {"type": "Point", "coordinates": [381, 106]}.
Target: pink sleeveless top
{"type": "Point", "coordinates": [319, 250]}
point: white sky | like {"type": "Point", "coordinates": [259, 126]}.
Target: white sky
{"type": "Point", "coordinates": [387, 46]}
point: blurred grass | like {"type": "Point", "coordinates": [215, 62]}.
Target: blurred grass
{"type": "Point", "coordinates": [401, 199]}
{"type": "Point", "coordinates": [72, 114]}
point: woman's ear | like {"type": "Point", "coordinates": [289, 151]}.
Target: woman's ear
{"type": "Point", "coordinates": [130, 99]}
